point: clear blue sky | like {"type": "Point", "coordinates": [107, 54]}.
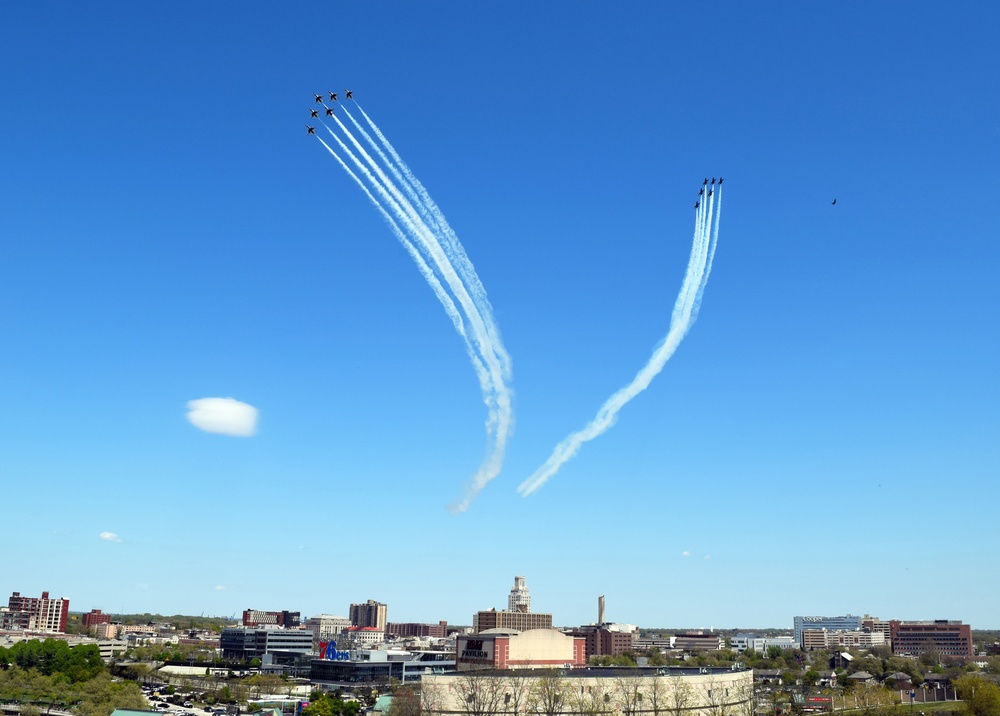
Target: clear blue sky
{"type": "Point", "coordinates": [825, 440]}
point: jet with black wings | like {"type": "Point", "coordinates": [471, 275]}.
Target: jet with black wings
{"type": "Point", "coordinates": [329, 111]}
{"type": "Point", "coordinates": [319, 98]}
{"type": "Point", "coordinates": [697, 204]}
{"type": "Point", "coordinates": [333, 96]}
{"type": "Point", "coordinates": [310, 130]}
{"type": "Point", "coordinates": [705, 182]}
{"type": "Point", "coordinates": [720, 181]}
{"type": "Point", "coordinates": [313, 113]}
{"type": "Point", "coordinates": [348, 94]}
{"type": "Point", "coordinates": [710, 192]}
{"type": "Point", "coordinates": [713, 181]}
{"type": "Point", "coordinates": [701, 192]}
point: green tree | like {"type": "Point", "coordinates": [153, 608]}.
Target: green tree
{"type": "Point", "coordinates": [405, 702]}
{"type": "Point", "coordinates": [981, 697]}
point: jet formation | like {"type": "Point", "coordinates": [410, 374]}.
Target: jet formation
{"type": "Point", "coordinates": [314, 113]}
{"type": "Point", "coordinates": [710, 183]}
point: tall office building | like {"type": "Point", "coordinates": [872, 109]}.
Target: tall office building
{"type": "Point", "coordinates": [40, 614]}
{"type": "Point", "coordinates": [949, 638]}
{"type": "Point", "coordinates": [369, 614]}
{"type": "Point", "coordinates": [848, 622]}
{"type": "Point", "coordinates": [519, 599]}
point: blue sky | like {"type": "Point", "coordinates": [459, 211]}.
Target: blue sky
{"type": "Point", "coordinates": [824, 441]}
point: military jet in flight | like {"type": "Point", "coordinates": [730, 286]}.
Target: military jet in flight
{"type": "Point", "coordinates": [319, 98]}
{"type": "Point", "coordinates": [720, 181]}
{"type": "Point", "coordinates": [701, 192]}
{"type": "Point", "coordinates": [313, 113]}
{"type": "Point", "coordinates": [697, 204]}
{"type": "Point", "coordinates": [710, 192]}
{"type": "Point", "coordinates": [310, 130]}
{"type": "Point", "coordinates": [333, 96]}
{"type": "Point", "coordinates": [329, 111]}
{"type": "Point", "coordinates": [348, 94]}
{"type": "Point", "coordinates": [705, 182]}
{"type": "Point", "coordinates": [713, 181]}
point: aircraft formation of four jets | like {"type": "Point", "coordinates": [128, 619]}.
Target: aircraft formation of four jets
{"type": "Point", "coordinates": [701, 192]}
{"type": "Point", "coordinates": [314, 113]}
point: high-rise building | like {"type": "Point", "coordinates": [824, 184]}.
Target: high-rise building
{"type": "Point", "coordinates": [326, 627]}
{"type": "Point", "coordinates": [95, 617]}
{"type": "Point", "coordinates": [848, 622]}
{"type": "Point", "coordinates": [39, 614]}
{"type": "Point", "coordinates": [949, 638]}
{"type": "Point", "coordinates": [255, 618]}
{"type": "Point", "coordinates": [369, 614]}
{"type": "Point", "coordinates": [520, 621]}
{"type": "Point", "coordinates": [519, 599]}
{"type": "Point", "coordinates": [409, 629]}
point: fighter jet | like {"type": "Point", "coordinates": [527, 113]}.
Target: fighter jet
{"type": "Point", "coordinates": [329, 111]}
{"type": "Point", "coordinates": [333, 96]}
{"type": "Point", "coordinates": [701, 192]}
{"type": "Point", "coordinates": [697, 204]}
{"type": "Point", "coordinates": [720, 181]}
{"type": "Point", "coordinates": [348, 94]}
{"type": "Point", "coordinates": [713, 181]}
{"type": "Point", "coordinates": [710, 192]}
{"type": "Point", "coordinates": [310, 130]}
{"type": "Point", "coordinates": [313, 113]}
{"type": "Point", "coordinates": [705, 182]}
{"type": "Point", "coordinates": [319, 98]}
{"type": "Point", "coordinates": [834, 203]}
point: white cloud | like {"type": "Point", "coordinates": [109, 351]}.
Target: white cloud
{"type": "Point", "coordinates": [685, 553]}
{"type": "Point", "coordinates": [219, 588]}
{"type": "Point", "coordinates": [225, 416]}
{"type": "Point", "coordinates": [110, 537]}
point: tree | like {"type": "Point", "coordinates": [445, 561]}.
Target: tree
{"type": "Point", "coordinates": [981, 697]}
{"type": "Point", "coordinates": [481, 693]}
{"type": "Point", "coordinates": [546, 695]}
{"type": "Point", "coordinates": [405, 702]}
{"type": "Point", "coordinates": [628, 694]}
{"type": "Point", "coordinates": [679, 697]}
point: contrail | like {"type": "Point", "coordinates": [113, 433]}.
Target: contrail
{"type": "Point", "coordinates": [443, 263]}
{"type": "Point", "coordinates": [684, 313]}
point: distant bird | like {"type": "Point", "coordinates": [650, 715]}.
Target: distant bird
{"type": "Point", "coordinates": [834, 203]}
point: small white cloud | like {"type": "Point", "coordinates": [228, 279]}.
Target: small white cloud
{"type": "Point", "coordinates": [708, 556]}
{"type": "Point", "coordinates": [219, 588]}
{"type": "Point", "coordinates": [225, 416]}
{"type": "Point", "coordinates": [685, 553]}
{"type": "Point", "coordinates": [110, 537]}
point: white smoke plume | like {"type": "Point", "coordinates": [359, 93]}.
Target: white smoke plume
{"type": "Point", "coordinates": [422, 229]}
{"type": "Point", "coordinates": [685, 311]}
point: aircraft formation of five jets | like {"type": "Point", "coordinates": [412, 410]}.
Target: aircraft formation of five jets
{"type": "Point", "coordinates": [314, 113]}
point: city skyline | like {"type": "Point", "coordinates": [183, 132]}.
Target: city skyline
{"type": "Point", "coordinates": [225, 382]}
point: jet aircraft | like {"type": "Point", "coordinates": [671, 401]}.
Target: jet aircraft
{"type": "Point", "coordinates": [705, 182]}
{"type": "Point", "coordinates": [310, 130]}
{"type": "Point", "coordinates": [720, 181]}
{"type": "Point", "coordinates": [713, 181]}
{"type": "Point", "coordinates": [329, 111]}
{"type": "Point", "coordinates": [319, 98]}
{"type": "Point", "coordinates": [348, 94]}
{"type": "Point", "coordinates": [701, 192]}
{"type": "Point", "coordinates": [313, 113]}
{"type": "Point", "coordinates": [710, 192]}
{"type": "Point", "coordinates": [333, 96]}
{"type": "Point", "coordinates": [697, 204]}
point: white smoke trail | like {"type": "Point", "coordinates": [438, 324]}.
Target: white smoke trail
{"type": "Point", "coordinates": [490, 360]}
{"type": "Point", "coordinates": [450, 240]}
{"type": "Point", "coordinates": [482, 372]}
{"type": "Point", "coordinates": [684, 313]}
{"type": "Point", "coordinates": [425, 270]}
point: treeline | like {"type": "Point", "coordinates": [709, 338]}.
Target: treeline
{"type": "Point", "coordinates": [54, 656]}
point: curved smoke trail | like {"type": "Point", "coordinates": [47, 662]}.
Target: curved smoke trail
{"type": "Point", "coordinates": [443, 262]}
{"type": "Point", "coordinates": [684, 314]}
